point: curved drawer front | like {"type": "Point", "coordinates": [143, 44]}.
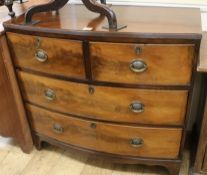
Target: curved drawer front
{"type": "Point", "coordinates": [109, 138]}
{"type": "Point", "coordinates": [106, 103]}
{"type": "Point", "coordinates": [142, 64]}
{"type": "Point", "coordinates": [47, 55]}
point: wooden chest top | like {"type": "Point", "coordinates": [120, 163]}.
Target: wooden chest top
{"type": "Point", "coordinates": [156, 21]}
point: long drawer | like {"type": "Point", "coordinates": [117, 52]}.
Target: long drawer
{"type": "Point", "coordinates": [109, 138]}
{"type": "Point", "coordinates": [149, 64]}
{"type": "Point", "coordinates": [164, 107]}
{"type": "Point", "coordinates": [48, 55]}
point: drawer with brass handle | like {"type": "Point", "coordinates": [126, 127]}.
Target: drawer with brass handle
{"type": "Point", "coordinates": [150, 64]}
{"type": "Point", "coordinates": [47, 55]}
{"type": "Point", "coordinates": [157, 107]}
{"type": "Point", "coordinates": [110, 138]}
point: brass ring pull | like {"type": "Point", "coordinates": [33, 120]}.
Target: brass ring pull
{"type": "Point", "coordinates": [49, 94]}
{"type": "Point", "coordinates": [138, 66]}
{"type": "Point", "coordinates": [136, 107]}
{"type": "Point", "coordinates": [57, 128]}
{"type": "Point", "coordinates": [41, 55]}
{"type": "Point", "coordinates": [136, 142]}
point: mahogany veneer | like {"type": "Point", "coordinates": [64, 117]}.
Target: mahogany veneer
{"type": "Point", "coordinates": [124, 95]}
{"type": "Point", "coordinates": [111, 103]}
{"type": "Point", "coordinates": [110, 62]}
{"type": "Point", "coordinates": [13, 122]}
{"type": "Point", "coordinates": [64, 55]}
{"type": "Point", "coordinates": [106, 137]}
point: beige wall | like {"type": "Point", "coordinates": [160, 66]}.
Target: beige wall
{"type": "Point", "coordinates": [183, 3]}
{"type": "Point", "coordinates": [169, 1]}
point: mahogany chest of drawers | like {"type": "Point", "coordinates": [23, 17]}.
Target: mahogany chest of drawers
{"type": "Point", "coordinates": [125, 95]}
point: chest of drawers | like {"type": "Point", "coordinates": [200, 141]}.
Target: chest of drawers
{"type": "Point", "coordinates": [123, 95]}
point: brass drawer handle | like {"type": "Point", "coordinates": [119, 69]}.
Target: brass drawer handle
{"type": "Point", "coordinates": [57, 128]}
{"type": "Point", "coordinates": [41, 55]}
{"type": "Point", "coordinates": [136, 107]}
{"type": "Point", "coordinates": [49, 94]}
{"type": "Point", "coordinates": [138, 66]}
{"type": "Point", "coordinates": [137, 142]}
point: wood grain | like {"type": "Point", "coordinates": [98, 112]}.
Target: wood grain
{"type": "Point", "coordinates": [204, 165]}
{"type": "Point", "coordinates": [65, 57]}
{"type": "Point", "coordinates": [162, 107]}
{"type": "Point", "coordinates": [13, 117]}
{"type": "Point", "coordinates": [7, 105]}
{"type": "Point", "coordinates": [167, 64]}
{"type": "Point", "coordinates": [138, 20]}
{"type": "Point", "coordinates": [110, 138]}
{"type": "Point", "coordinates": [169, 29]}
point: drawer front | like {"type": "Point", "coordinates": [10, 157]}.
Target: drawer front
{"type": "Point", "coordinates": [110, 138]}
{"type": "Point", "coordinates": [47, 55]}
{"type": "Point", "coordinates": [142, 64]}
{"type": "Point", "coordinates": [106, 103]}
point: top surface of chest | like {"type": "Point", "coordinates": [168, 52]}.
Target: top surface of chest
{"type": "Point", "coordinates": [148, 20]}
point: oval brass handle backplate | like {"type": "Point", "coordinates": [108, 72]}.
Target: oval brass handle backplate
{"type": "Point", "coordinates": [137, 142]}
{"type": "Point", "coordinates": [138, 66]}
{"type": "Point", "coordinates": [136, 107]}
{"type": "Point", "coordinates": [49, 94]}
{"type": "Point", "coordinates": [57, 128]}
{"type": "Point", "coordinates": [41, 55]}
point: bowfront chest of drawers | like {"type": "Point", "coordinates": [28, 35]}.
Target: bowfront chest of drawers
{"type": "Point", "coordinates": [124, 95]}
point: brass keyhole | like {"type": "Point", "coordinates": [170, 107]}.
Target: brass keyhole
{"type": "Point", "coordinates": [93, 125]}
{"type": "Point", "coordinates": [138, 50]}
{"type": "Point", "coordinates": [91, 90]}
{"type": "Point", "coordinates": [38, 42]}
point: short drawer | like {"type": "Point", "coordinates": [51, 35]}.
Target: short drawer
{"type": "Point", "coordinates": [164, 107]}
{"type": "Point", "coordinates": [109, 138]}
{"type": "Point", "coordinates": [142, 64]}
{"type": "Point", "coordinates": [47, 55]}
